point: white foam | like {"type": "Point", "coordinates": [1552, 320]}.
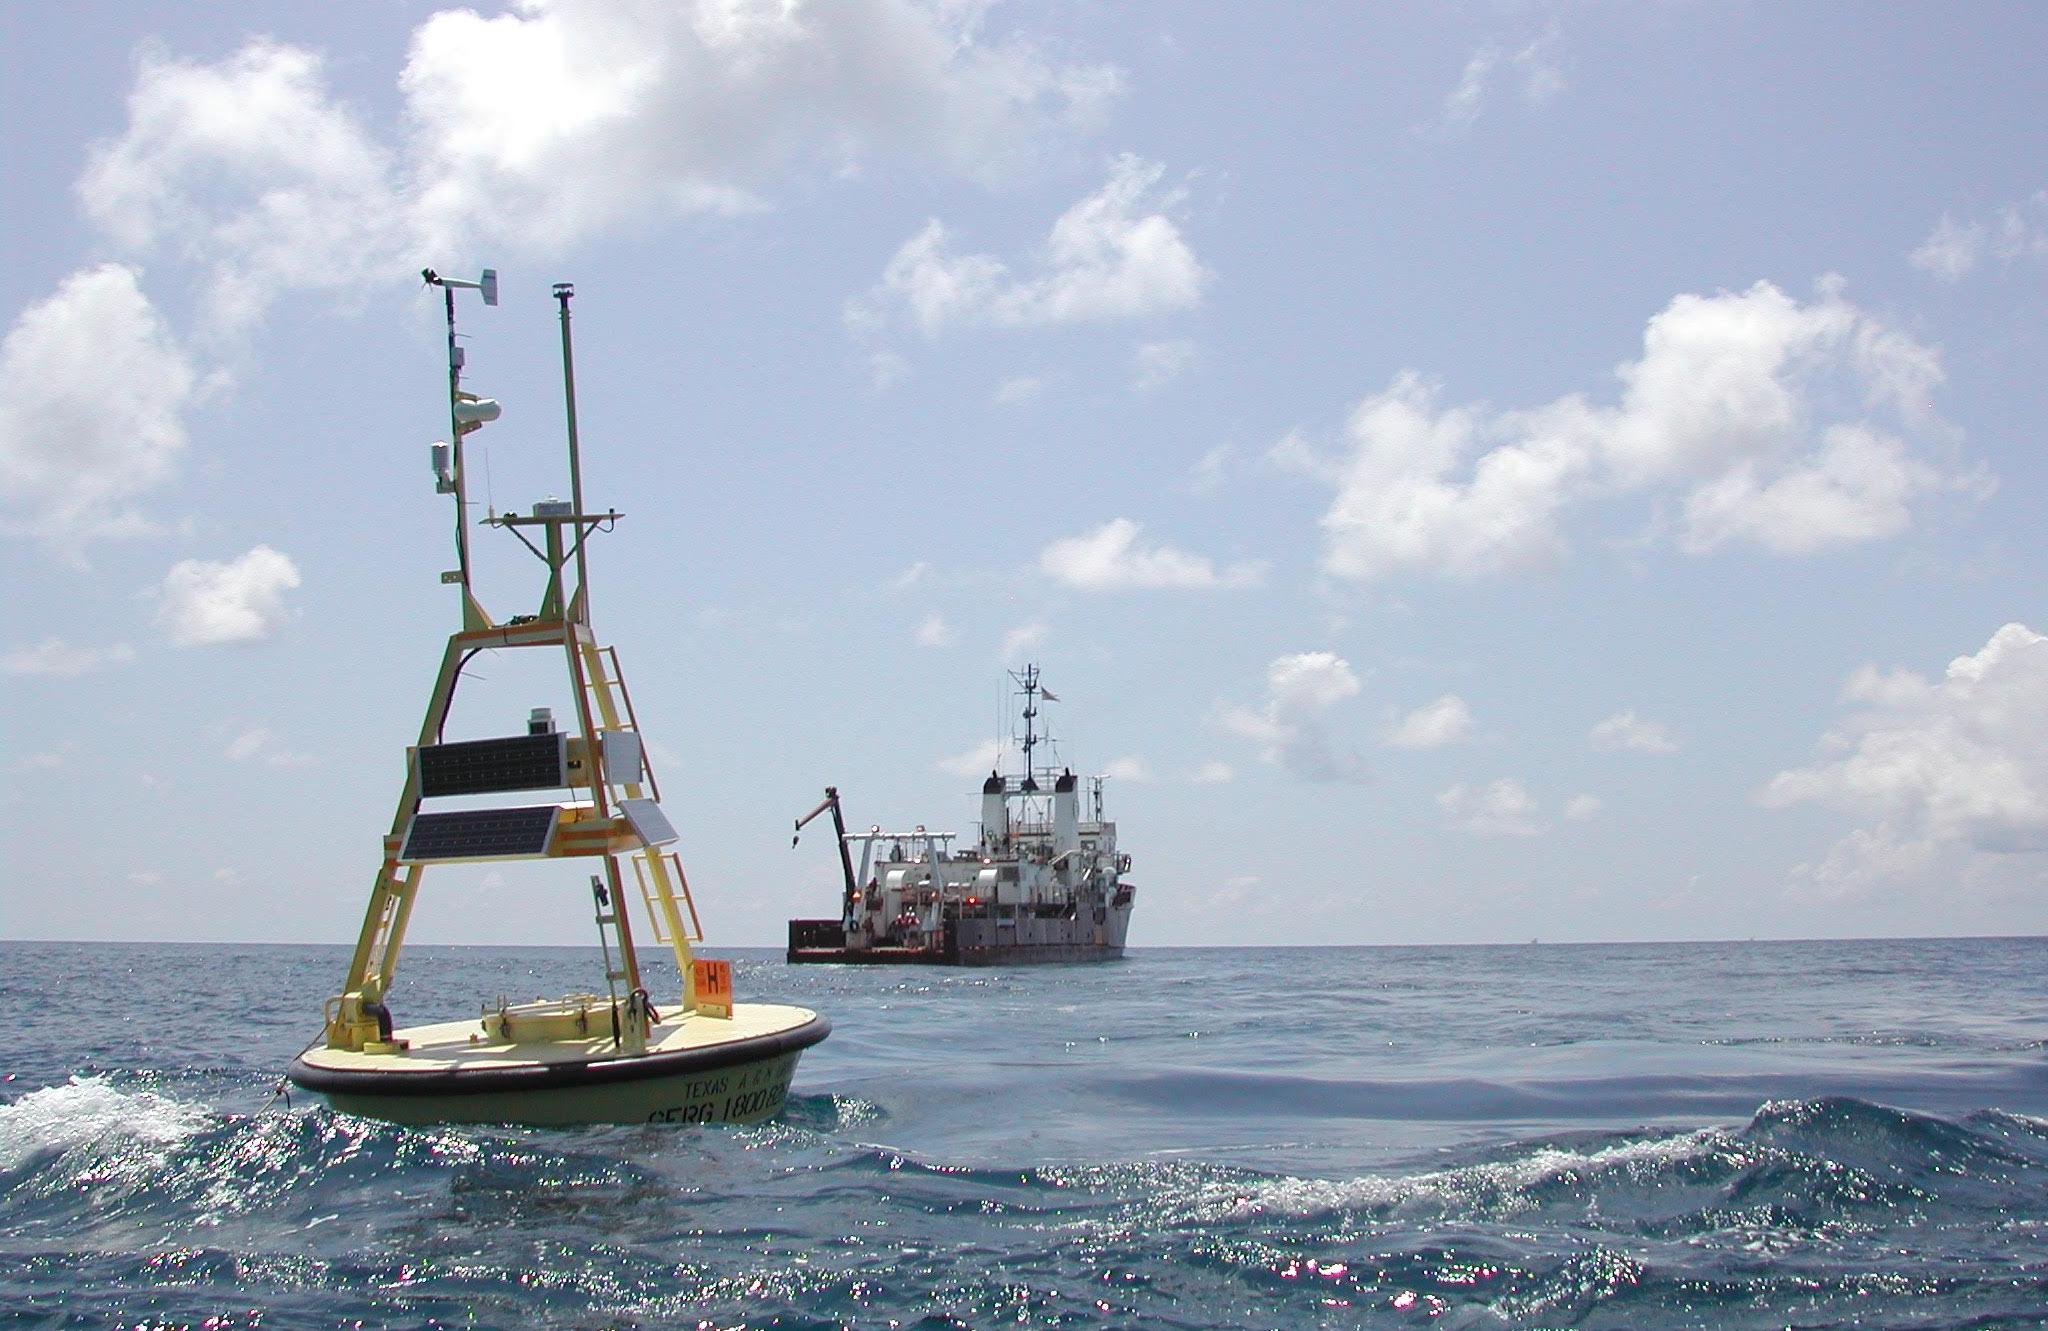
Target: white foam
{"type": "Point", "coordinates": [1490, 1186]}
{"type": "Point", "coordinates": [87, 1110]}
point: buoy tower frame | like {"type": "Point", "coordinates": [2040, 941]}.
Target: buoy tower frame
{"type": "Point", "coordinates": [619, 819]}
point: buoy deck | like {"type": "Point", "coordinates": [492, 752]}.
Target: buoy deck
{"type": "Point", "coordinates": [694, 1069]}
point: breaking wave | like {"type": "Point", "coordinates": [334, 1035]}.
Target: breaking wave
{"type": "Point", "coordinates": [1821, 1201]}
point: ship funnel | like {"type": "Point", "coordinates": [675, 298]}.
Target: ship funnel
{"type": "Point", "coordinates": [1066, 814]}
{"type": "Point", "coordinates": [995, 814]}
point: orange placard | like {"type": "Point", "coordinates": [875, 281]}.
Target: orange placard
{"type": "Point", "coordinates": [711, 981]}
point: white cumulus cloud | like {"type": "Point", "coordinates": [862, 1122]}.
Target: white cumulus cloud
{"type": "Point", "coordinates": [1626, 730]}
{"type": "Point", "coordinates": [240, 600]}
{"type": "Point", "coordinates": [1023, 638]}
{"type": "Point", "coordinates": [261, 744]}
{"type": "Point", "coordinates": [1112, 558]}
{"type": "Point", "coordinates": [1955, 248]}
{"type": "Point", "coordinates": [93, 390]}
{"type": "Point", "coordinates": [1159, 363]}
{"type": "Point", "coordinates": [1536, 68]}
{"type": "Point", "coordinates": [935, 632]}
{"type": "Point", "coordinates": [54, 656]}
{"type": "Point", "coordinates": [1129, 768]}
{"type": "Point", "coordinates": [566, 117]}
{"type": "Point", "coordinates": [1292, 728]}
{"type": "Point", "coordinates": [1794, 427]}
{"type": "Point", "coordinates": [250, 170]}
{"type": "Point", "coordinates": [1114, 255]}
{"type": "Point", "coordinates": [538, 128]}
{"type": "Point", "coordinates": [1433, 725]}
{"type": "Point", "coordinates": [1498, 808]}
{"type": "Point", "coordinates": [1933, 766]}
{"type": "Point", "coordinates": [1020, 390]}
{"type": "Point", "coordinates": [1212, 470]}
{"type": "Point", "coordinates": [977, 761]}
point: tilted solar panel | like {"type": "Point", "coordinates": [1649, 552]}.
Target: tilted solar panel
{"type": "Point", "coordinates": [486, 766]}
{"type": "Point", "coordinates": [480, 834]}
{"type": "Point", "coordinates": [648, 822]}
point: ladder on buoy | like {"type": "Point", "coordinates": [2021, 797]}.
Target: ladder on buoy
{"type": "Point", "coordinates": [664, 888]}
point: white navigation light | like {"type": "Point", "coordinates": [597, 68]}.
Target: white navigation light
{"type": "Point", "coordinates": [444, 479]}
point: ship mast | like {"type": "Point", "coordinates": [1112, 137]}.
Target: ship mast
{"type": "Point", "coordinates": [1029, 682]}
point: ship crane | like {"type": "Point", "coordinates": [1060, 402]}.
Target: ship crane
{"type": "Point", "coordinates": [831, 801]}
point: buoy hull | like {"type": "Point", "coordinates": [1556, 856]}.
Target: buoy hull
{"type": "Point", "coordinates": [695, 1070]}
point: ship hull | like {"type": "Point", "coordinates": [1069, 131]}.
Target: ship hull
{"type": "Point", "coordinates": [1034, 955]}
{"type": "Point", "coordinates": [696, 1070]}
{"type": "Point", "coordinates": [1024, 940]}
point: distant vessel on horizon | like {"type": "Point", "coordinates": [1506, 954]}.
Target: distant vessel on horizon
{"type": "Point", "coordinates": [1040, 883]}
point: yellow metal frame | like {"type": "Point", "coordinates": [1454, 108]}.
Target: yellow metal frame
{"type": "Point", "coordinates": [602, 703]}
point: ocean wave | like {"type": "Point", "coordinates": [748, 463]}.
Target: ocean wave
{"type": "Point", "coordinates": [798, 1224]}
{"type": "Point", "coordinates": [91, 1113]}
{"type": "Point", "coordinates": [1827, 1157]}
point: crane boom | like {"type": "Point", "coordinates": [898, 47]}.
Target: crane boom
{"type": "Point", "coordinates": [831, 801]}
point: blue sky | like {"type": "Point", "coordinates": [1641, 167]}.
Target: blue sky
{"type": "Point", "coordinates": [1470, 474]}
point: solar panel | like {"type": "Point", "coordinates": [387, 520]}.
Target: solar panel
{"type": "Point", "coordinates": [480, 834]}
{"type": "Point", "coordinates": [623, 761]}
{"type": "Point", "coordinates": [649, 823]}
{"type": "Point", "coordinates": [486, 766]}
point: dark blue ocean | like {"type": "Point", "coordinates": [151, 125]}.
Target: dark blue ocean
{"type": "Point", "coordinates": [1847, 1134]}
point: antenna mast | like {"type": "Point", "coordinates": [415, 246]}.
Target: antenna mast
{"type": "Point", "coordinates": [455, 433]}
{"type": "Point", "coordinates": [466, 412]}
{"type": "Point", "coordinates": [563, 292]}
{"type": "Point", "coordinates": [1029, 679]}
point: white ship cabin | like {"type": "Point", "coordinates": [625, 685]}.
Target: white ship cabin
{"type": "Point", "coordinates": [1035, 854]}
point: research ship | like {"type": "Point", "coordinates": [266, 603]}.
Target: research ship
{"type": "Point", "coordinates": [606, 1055]}
{"type": "Point", "coordinates": [1042, 880]}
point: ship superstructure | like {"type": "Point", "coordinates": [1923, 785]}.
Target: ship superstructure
{"type": "Point", "coordinates": [1041, 879]}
